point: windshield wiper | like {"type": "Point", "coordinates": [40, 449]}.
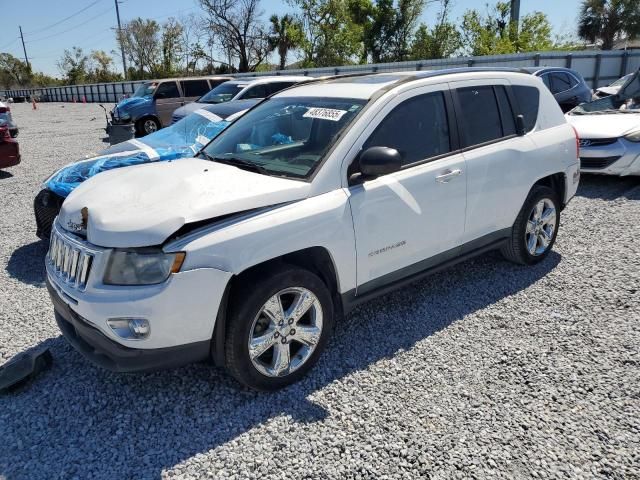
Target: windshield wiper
{"type": "Point", "coordinates": [240, 163]}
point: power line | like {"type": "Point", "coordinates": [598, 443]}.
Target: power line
{"type": "Point", "coordinates": [10, 43]}
{"type": "Point", "coordinates": [72, 28]}
{"type": "Point", "coordinates": [64, 19]}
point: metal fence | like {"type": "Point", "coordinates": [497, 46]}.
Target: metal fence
{"type": "Point", "coordinates": [597, 67]}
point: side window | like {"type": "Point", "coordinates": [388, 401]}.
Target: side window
{"type": "Point", "coordinates": [418, 128]}
{"type": "Point", "coordinates": [480, 117]}
{"type": "Point", "coordinates": [528, 99]}
{"type": "Point", "coordinates": [508, 122]}
{"type": "Point", "coordinates": [257, 91]}
{"type": "Point", "coordinates": [167, 90]}
{"type": "Point", "coordinates": [574, 81]}
{"type": "Point", "coordinates": [195, 88]}
{"type": "Point", "coordinates": [560, 82]}
{"type": "Point", "coordinates": [277, 86]}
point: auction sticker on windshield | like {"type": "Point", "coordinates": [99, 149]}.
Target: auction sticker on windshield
{"type": "Point", "coordinates": [325, 114]}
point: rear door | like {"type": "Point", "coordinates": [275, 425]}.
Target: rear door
{"type": "Point", "coordinates": [168, 97]}
{"type": "Point", "coordinates": [409, 220]}
{"type": "Point", "coordinates": [563, 87]}
{"type": "Point", "coordinates": [496, 158]}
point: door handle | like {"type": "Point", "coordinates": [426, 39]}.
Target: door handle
{"type": "Point", "coordinates": [448, 175]}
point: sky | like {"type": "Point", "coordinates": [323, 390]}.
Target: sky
{"type": "Point", "coordinates": [50, 27]}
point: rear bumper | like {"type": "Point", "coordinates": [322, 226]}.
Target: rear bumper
{"type": "Point", "coordinates": [106, 353]}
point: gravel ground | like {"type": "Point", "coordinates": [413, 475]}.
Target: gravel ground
{"type": "Point", "coordinates": [485, 370]}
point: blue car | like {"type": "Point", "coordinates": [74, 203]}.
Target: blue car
{"type": "Point", "coordinates": [151, 105]}
{"type": "Point", "coordinates": [181, 140]}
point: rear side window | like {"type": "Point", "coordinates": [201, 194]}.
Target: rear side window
{"type": "Point", "coordinates": [480, 118]}
{"type": "Point", "coordinates": [560, 82]}
{"type": "Point", "coordinates": [167, 90]}
{"type": "Point", "coordinates": [418, 128]}
{"type": "Point", "coordinates": [195, 88]}
{"type": "Point", "coordinates": [257, 91]}
{"type": "Point", "coordinates": [528, 100]}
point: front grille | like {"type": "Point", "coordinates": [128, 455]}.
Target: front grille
{"type": "Point", "coordinates": [597, 142]}
{"type": "Point", "coordinates": [597, 163]}
{"type": "Point", "coordinates": [69, 260]}
{"type": "Point", "coordinates": [46, 207]}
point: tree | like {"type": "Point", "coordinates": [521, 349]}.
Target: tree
{"type": "Point", "coordinates": [493, 33]}
{"type": "Point", "coordinates": [331, 36]}
{"type": "Point", "coordinates": [239, 30]}
{"type": "Point", "coordinates": [607, 21]}
{"type": "Point", "coordinates": [285, 35]}
{"type": "Point", "coordinates": [140, 40]}
{"type": "Point", "coordinates": [100, 68]}
{"type": "Point", "coordinates": [172, 46]}
{"type": "Point", "coordinates": [13, 71]}
{"type": "Point", "coordinates": [74, 66]}
{"type": "Point", "coordinates": [440, 42]}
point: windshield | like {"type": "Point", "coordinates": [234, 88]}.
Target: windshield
{"type": "Point", "coordinates": [222, 93]}
{"type": "Point", "coordinates": [285, 136]}
{"type": "Point", "coordinates": [145, 90]}
{"type": "Point", "coordinates": [627, 100]}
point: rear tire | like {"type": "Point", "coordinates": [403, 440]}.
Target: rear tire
{"type": "Point", "coordinates": [535, 229]}
{"type": "Point", "coordinates": [269, 343]}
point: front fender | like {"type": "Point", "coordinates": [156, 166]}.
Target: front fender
{"type": "Point", "coordinates": [322, 221]}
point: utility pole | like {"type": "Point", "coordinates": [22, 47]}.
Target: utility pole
{"type": "Point", "coordinates": [515, 12]}
{"type": "Point", "coordinates": [26, 59]}
{"type": "Point", "coordinates": [124, 62]}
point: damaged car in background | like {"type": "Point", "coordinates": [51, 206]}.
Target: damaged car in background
{"type": "Point", "coordinates": [182, 139]}
{"type": "Point", "coordinates": [9, 149]}
{"type": "Point", "coordinates": [609, 131]}
{"type": "Point", "coordinates": [320, 197]}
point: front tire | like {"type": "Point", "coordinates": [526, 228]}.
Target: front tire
{"type": "Point", "coordinates": [147, 125]}
{"type": "Point", "coordinates": [535, 229]}
{"type": "Point", "coordinates": [278, 326]}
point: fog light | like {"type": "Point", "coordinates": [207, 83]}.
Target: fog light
{"type": "Point", "coordinates": [130, 328]}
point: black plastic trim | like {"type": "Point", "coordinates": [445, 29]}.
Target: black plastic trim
{"type": "Point", "coordinates": [395, 280]}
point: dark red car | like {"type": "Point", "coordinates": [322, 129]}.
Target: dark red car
{"type": "Point", "coordinates": [9, 149]}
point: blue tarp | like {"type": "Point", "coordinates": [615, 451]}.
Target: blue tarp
{"type": "Point", "coordinates": [180, 140]}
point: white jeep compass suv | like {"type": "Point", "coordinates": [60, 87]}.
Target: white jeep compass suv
{"type": "Point", "coordinates": [320, 197]}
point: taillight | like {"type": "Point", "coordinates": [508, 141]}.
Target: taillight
{"type": "Point", "coordinates": [577, 141]}
{"type": "Point", "coordinates": [4, 109]}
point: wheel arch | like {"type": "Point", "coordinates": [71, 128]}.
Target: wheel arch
{"type": "Point", "coordinates": [557, 182]}
{"type": "Point", "coordinates": [315, 259]}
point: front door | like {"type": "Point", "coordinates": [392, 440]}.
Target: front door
{"type": "Point", "coordinates": [167, 97]}
{"type": "Point", "coordinates": [412, 219]}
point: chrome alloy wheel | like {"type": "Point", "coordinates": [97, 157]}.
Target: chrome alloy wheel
{"type": "Point", "coordinates": [285, 332]}
{"type": "Point", "coordinates": [541, 227]}
{"type": "Point", "coordinates": [150, 126]}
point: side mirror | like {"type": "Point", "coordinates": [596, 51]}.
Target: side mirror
{"type": "Point", "coordinates": [521, 130]}
{"type": "Point", "coordinates": [377, 161]}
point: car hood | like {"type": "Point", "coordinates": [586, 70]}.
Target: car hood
{"type": "Point", "coordinates": [188, 108]}
{"type": "Point", "coordinates": [133, 102]}
{"type": "Point", "coordinates": [609, 90]}
{"type": "Point", "coordinates": [143, 205]}
{"type": "Point", "coordinates": [605, 125]}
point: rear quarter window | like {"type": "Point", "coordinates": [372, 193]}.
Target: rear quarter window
{"type": "Point", "coordinates": [528, 104]}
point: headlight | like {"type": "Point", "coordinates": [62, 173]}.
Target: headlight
{"type": "Point", "coordinates": [633, 136]}
{"type": "Point", "coordinates": [142, 267]}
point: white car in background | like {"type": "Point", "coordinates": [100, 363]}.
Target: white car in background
{"type": "Point", "coordinates": [611, 89]}
{"type": "Point", "coordinates": [317, 199]}
{"type": "Point", "coordinates": [609, 131]}
{"type": "Point", "coordinates": [240, 89]}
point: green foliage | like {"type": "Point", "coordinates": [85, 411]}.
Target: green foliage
{"type": "Point", "coordinates": [13, 71]}
{"type": "Point", "coordinates": [493, 33]}
{"type": "Point", "coordinates": [607, 21]}
{"type": "Point", "coordinates": [285, 35]}
{"type": "Point", "coordinates": [442, 41]}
